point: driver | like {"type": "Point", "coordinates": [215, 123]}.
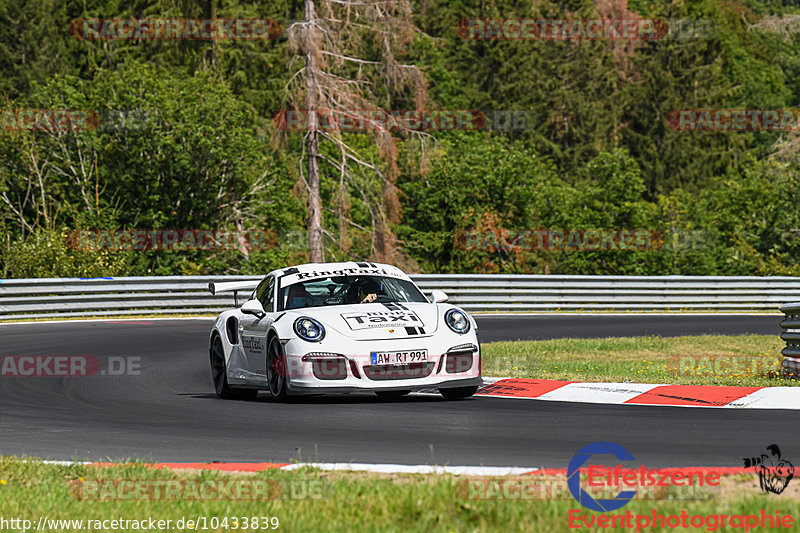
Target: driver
{"type": "Point", "coordinates": [298, 297]}
{"type": "Point", "coordinates": [368, 292]}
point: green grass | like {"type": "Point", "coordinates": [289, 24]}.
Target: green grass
{"type": "Point", "coordinates": [343, 502]}
{"type": "Point", "coordinates": [743, 360]}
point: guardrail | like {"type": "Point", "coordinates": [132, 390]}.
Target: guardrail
{"type": "Point", "coordinates": [76, 297]}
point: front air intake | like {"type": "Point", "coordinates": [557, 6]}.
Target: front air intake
{"type": "Point", "coordinates": [398, 372]}
{"type": "Point", "coordinates": [460, 358]}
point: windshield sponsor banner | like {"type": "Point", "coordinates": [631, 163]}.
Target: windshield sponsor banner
{"type": "Point", "coordinates": [382, 319]}
{"type": "Point", "coordinates": [291, 279]}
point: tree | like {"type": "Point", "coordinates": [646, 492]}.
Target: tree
{"type": "Point", "coordinates": [351, 51]}
{"type": "Point", "coordinates": [188, 158]}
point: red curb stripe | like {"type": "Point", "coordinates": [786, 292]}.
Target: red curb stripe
{"type": "Point", "coordinates": [224, 467]}
{"type": "Point", "coordinates": [521, 388]}
{"type": "Point", "coordinates": [684, 470]}
{"type": "Point", "coordinates": [668, 395]}
{"type": "Point", "coordinates": [698, 395]}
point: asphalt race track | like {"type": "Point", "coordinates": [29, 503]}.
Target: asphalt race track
{"type": "Point", "coordinates": [168, 411]}
{"type": "Point", "coordinates": [539, 327]}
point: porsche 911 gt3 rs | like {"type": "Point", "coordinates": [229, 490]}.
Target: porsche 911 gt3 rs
{"type": "Point", "coordinates": [342, 327]}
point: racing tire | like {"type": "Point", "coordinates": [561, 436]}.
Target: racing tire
{"type": "Point", "coordinates": [391, 394]}
{"type": "Point", "coordinates": [277, 371]}
{"type": "Point", "coordinates": [458, 393]}
{"type": "Point", "coordinates": [219, 374]}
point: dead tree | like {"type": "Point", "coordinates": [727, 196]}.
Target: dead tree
{"type": "Point", "coordinates": [351, 71]}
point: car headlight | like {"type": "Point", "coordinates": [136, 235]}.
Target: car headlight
{"type": "Point", "coordinates": [457, 321]}
{"type": "Point", "coordinates": [309, 329]}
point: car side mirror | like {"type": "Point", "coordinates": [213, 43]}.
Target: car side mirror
{"type": "Point", "coordinates": [439, 297]}
{"type": "Point", "coordinates": [253, 307]}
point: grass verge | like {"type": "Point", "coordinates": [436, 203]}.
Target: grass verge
{"type": "Point", "coordinates": [312, 500]}
{"type": "Point", "coordinates": [741, 360]}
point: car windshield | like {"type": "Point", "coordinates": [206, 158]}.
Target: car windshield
{"type": "Point", "coordinates": [341, 290]}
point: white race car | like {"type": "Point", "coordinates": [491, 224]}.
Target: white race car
{"type": "Point", "coordinates": [342, 327]}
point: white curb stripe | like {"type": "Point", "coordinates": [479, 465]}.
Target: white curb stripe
{"type": "Point", "coordinates": [620, 393]}
{"type": "Point", "coordinates": [598, 392]}
{"type": "Point", "coordinates": [417, 469]}
{"type": "Point", "coordinates": [770, 398]}
{"type": "Point", "coordinates": [377, 468]}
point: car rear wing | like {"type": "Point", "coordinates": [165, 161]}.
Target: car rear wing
{"type": "Point", "coordinates": [234, 287]}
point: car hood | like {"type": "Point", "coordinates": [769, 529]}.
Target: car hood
{"type": "Point", "coordinates": [377, 321]}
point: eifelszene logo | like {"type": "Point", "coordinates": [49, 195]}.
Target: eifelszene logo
{"type": "Point", "coordinates": [606, 480]}
{"type": "Point", "coordinates": [574, 477]}
{"type": "Point", "coordinates": [774, 472]}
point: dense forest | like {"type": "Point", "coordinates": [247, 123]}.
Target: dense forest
{"type": "Point", "coordinates": [569, 141]}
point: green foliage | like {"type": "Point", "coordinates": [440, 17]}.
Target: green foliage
{"type": "Point", "coordinates": [48, 250]}
{"type": "Point", "coordinates": [187, 157]}
{"type": "Point", "coordinates": [475, 182]}
{"type": "Point", "coordinates": [598, 154]}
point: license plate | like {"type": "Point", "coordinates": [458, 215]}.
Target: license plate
{"type": "Point", "coordinates": [393, 358]}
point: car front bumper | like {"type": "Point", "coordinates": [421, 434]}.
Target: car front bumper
{"type": "Point", "coordinates": [450, 363]}
{"type": "Point", "coordinates": [330, 387]}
